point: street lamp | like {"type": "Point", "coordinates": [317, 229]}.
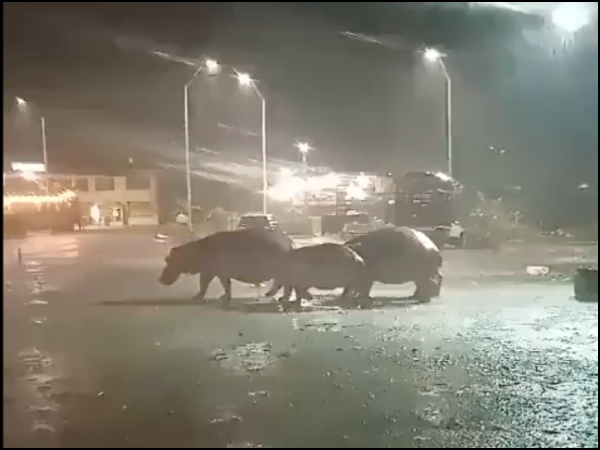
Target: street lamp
{"type": "Point", "coordinates": [246, 81]}
{"type": "Point", "coordinates": [212, 67]}
{"type": "Point", "coordinates": [571, 17]}
{"type": "Point", "coordinates": [434, 56]}
{"type": "Point", "coordinates": [22, 105]}
{"type": "Point", "coordinates": [304, 148]}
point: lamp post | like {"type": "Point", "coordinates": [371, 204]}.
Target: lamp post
{"type": "Point", "coordinates": [212, 67]}
{"type": "Point", "coordinates": [304, 148]}
{"type": "Point", "coordinates": [245, 80]}
{"type": "Point", "coordinates": [435, 56]}
{"type": "Point", "coordinates": [22, 105]}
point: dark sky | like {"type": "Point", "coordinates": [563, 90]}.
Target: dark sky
{"type": "Point", "coordinates": [519, 85]}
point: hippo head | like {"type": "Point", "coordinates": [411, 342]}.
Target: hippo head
{"type": "Point", "coordinates": [177, 263]}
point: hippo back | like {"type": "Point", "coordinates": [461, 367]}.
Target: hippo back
{"type": "Point", "coordinates": [325, 266]}
{"type": "Point", "coordinates": [397, 255]}
{"type": "Point", "coordinates": [241, 254]}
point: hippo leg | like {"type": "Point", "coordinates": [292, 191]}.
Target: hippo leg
{"type": "Point", "coordinates": [347, 293]}
{"type": "Point", "coordinates": [276, 286]}
{"type": "Point", "coordinates": [362, 289]}
{"type": "Point", "coordinates": [205, 280]}
{"type": "Point", "coordinates": [287, 293]}
{"type": "Point", "coordinates": [226, 297]}
{"type": "Point", "coordinates": [274, 289]}
{"type": "Point", "coordinates": [428, 288]}
{"type": "Point", "coordinates": [363, 293]}
{"type": "Point", "coordinates": [302, 294]}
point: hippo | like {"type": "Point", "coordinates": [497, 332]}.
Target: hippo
{"type": "Point", "coordinates": [326, 267]}
{"type": "Point", "coordinates": [250, 256]}
{"type": "Point", "coordinates": [400, 255]}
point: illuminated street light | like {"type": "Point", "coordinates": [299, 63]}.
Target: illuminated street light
{"type": "Point", "coordinates": [433, 55]}
{"type": "Point", "coordinates": [304, 148]}
{"type": "Point", "coordinates": [22, 105]}
{"type": "Point", "coordinates": [571, 17]}
{"type": "Point", "coordinates": [246, 81]}
{"type": "Point", "coordinates": [212, 67]}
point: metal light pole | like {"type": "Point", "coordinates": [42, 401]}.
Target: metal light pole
{"type": "Point", "coordinates": [304, 148]}
{"type": "Point", "coordinates": [433, 55]}
{"type": "Point", "coordinates": [45, 152]}
{"type": "Point", "coordinates": [265, 173]}
{"type": "Point", "coordinates": [244, 80]}
{"type": "Point", "coordinates": [212, 67]}
{"type": "Point", "coordinates": [22, 104]}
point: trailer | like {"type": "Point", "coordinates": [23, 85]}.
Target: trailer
{"type": "Point", "coordinates": [427, 201]}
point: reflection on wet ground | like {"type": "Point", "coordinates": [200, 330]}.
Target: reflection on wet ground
{"type": "Point", "coordinates": [491, 364]}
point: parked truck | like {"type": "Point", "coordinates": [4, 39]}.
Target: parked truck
{"type": "Point", "coordinates": [428, 202]}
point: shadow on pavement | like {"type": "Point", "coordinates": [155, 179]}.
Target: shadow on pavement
{"type": "Point", "coordinates": [260, 306]}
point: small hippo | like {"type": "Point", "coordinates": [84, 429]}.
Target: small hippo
{"type": "Point", "coordinates": [249, 256]}
{"type": "Point", "coordinates": [401, 255]}
{"type": "Point", "coordinates": [326, 267]}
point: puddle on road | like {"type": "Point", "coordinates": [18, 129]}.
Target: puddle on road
{"type": "Point", "coordinates": [33, 266]}
{"type": "Point", "coordinates": [35, 302]}
{"type": "Point", "coordinates": [34, 393]}
{"type": "Point", "coordinates": [38, 320]}
{"type": "Point", "coordinates": [247, 358]}
{"type": "Point", "coordinates": [319, 325]}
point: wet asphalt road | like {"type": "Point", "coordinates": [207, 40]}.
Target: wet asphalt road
{"type": "Point", "coordinates": [98, 354]}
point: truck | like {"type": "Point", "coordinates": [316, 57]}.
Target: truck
{"type": "Point", "coordinates": [427, 201]}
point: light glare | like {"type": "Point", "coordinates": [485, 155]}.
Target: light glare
{"type": "Point", "coordinates": [432, 55]}
{"type": "Point", "coordinates": [571, 17]}
{"type": "Point", "coordinates": [244, 79]}
{"type": "Point", "coordinates": [303, 147]}
{"type": "Point", "coordinates": [212, 66]}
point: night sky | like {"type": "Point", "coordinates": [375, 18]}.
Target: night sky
{"type": "Point", "coordinates": [520, 85]}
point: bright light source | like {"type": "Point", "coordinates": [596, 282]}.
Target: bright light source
{"type": "Point", "coordinates": [355, 192]}
{"type": "Point", "coordinates": [285, 172]}
{"type": "Point", "coordinates": [303, 147]}
{"type": "Point", "coordinates": [287, 189]}
{"type": "Point", "coordinates": [39, 199]}
{"type": "Point", "coordinates": [331, 180]}
{"type": "Point", "coordinates": [571, 17]}
{"type": "Point", "coordinates": [29, 176]}
{"type": "Point", "coordinates": [584, 186]}
{"type": "Point", "coordinates": [95, 214]}
{"type": "Point", "coordinates": [363, 181]}
{"type": "Point", "coordinates": [212, 66]}
{"type": "Point", "coordinates": [292, 188]}
{"type": "Point", "coordinates": [244, 79]}
{"type": "Point", "coordinates": [432, 55]}
{"type": "Point", "coordinates": [28, 167]}
{"type": "Point", "coordinates": [21, 102]}
{"type": "Point", "coordinates": [444, 177]}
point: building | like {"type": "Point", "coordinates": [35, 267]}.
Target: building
{"type": "Point", "coordinates": [126, 199]}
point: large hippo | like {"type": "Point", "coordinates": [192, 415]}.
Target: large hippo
{"type": "Point", "coordinates": [250, 256]}
{"type": "Point", "coordinates": [401, 255]}
{"type": "Point", "coordinates": [326, 267]}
